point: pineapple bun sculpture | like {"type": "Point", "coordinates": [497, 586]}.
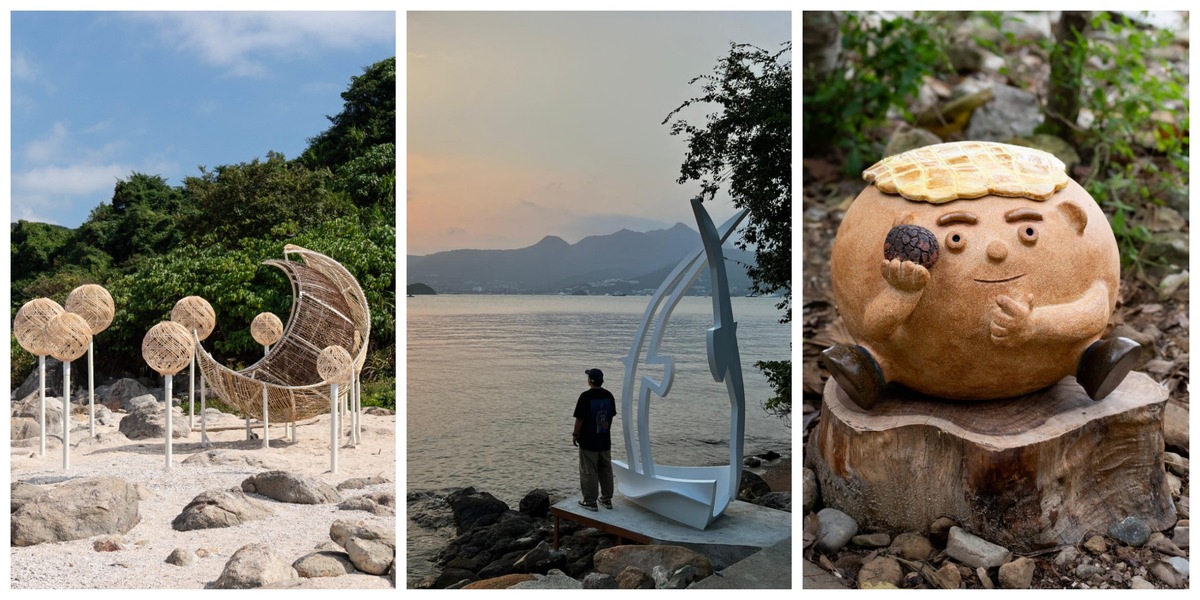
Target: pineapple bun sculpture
{"type": "Point", "coordinates": [975, 271]}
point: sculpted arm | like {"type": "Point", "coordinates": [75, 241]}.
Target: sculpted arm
{"type": "Point", "coordinates": [1016, 321]}
{"type": "Point", "coordinates": [892, 307]}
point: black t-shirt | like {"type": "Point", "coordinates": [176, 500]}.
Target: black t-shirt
{"type": "Point", "coordinates": [597, 408]}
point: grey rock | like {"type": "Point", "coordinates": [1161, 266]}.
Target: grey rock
{"type": "Point", "coordinates": [1087, 571]}
{"type": "Point", "coordinates": [149, 421]}
{"type": "Point", "coordinates": [536, 504]}
{"type": "Point", "coordinates": [54, 380]}
{"type": "Point", "coordinates": [682, 578]}
{"type": "Point", "coordinates": [810, 490]}
{"type": "Point", "coordinates": [290, 487]}
{"type": "Point", "coordinates": [906, 138]}
{"type": "Point", "coordinates": [633, 578]}
{"type": "Point", "coordinates": [1055, 145]}
{"type": "Point", "coordinates": [1181, 536]}
{"type": "Point", "coordinates": [132, 404]}
{"type": "Point", "coordinates": [454, 578]}
{"type": "Point", "coordinates": [220, 508]}
{"type": "Point", "coordinates": [104, 416]}
{"type": "Point", "coordinates": [835, 530]}
{"type": "Point", "coordinates": [1067, 556]}
{"type": "Point", "coordinates": [776, 500]}
{"type": "Point", "coordinates": [1132, 531]}
{"type": "Point", "coordinates": [324, 564]}
{"type": "Point", "coordinates": [599, 581]}
{"type": "Point", "coordinates": [554, 580]}
{"type": "Point", "coordinates": [975, 551]}
{"type": "Point", "coordinates": [1176, 463]}
{"type": "Point", "coordinates": [118, 395]}
{"type": "Point", "coordinates": [752, 486]}
{"type": "Point", "coordinates": [252, 566]}
{"type": "Point", "coordinates": [1018, 574]}
{"type": "Point", "coordinates": [25, 417]}
{"type": "Point", "coordinates": [471, 507]}
{"type": "Point", "coordinates": [77, 509]}
{"type": "Point", "coordinates": [382, 504]}
{"type": "Point", "coordinates": [1166, 574]}
{"type": "Point", "coordinates": [22, 492]}
{"type": "Point", "coordinates": [1138, 583]}
{"type": "Point", "coordinates": [1180, 565]}
{"type": "Point", "coordinates": [616, 559]}
{"type": "Point", "coordinates": [541, 560]}
{"type": "Point", "coordinates": [1012, 113]}
{"type": "Point", "coordinates": [871, 540]}
{"type": "Point", "coordinates": [358, 483]}
{"type": "Point", "coordinates": [372, 547]}
{"type": "Point", "coordinates": [181, 557]}
{"type": "Point", "coordinates": [965, 58]}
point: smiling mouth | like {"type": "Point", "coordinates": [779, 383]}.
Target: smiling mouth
{"type": "Point", "coordinates": [1013, 278]}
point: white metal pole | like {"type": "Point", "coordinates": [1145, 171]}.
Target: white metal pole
{"type": "Point", "coordinates": [91, 396]}
{"type": "Point", "coordinates": [66, 416]}
{"type": "Point", "coordinates": [167, 394]}
{"type": "Point", "coordinates": [42, 405]}
{"type": "Point", "coordinates": [266, 420]}
{"type": "Point", "coordinates": [355, 407]}
{"type": "Point", "coordinates": [204, 443]}
{"type": "Point", "coordinates": [333, 428]}
{"type": "Point", "coordinates": [191, 395]}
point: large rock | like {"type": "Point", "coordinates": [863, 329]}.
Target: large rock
{"type": "Point", "coordinates": [540, 560]}
{"type": "Point", "coordinates": [22, 492]}
{"type": "Point", "coordinates": [358, 483]}
{"type": "Point", "coordinates": [1012, 113]}
{"type": "Point", "coordinates": [323, 564]}
{"type": "Point", "coordinates": [219, 508]}
{"type": "Point", "coordinates": [776, 500]}
{"type": "Point", "coordinates": [25, 417]}
{"type": "Point", "coordinates": [150, 421]}
{"type": "Point", "coordinates": [510, 532]}
{"type": "Point", "coordinates": [372, 547]}
{"type": "Point", "coordinates": [382, 504]}
{"type": "Point", "coordinates": [502, 582]}
{"type": "Point", "coordinates": [130, 405]}
{"type": "Point", "coordinates": [554, 580]}
{"type": "Point", "coordinates": [633, 578]}
{"type": "Point", "coordinates": [118, 395]}
{"type": "Point", "coordinates": [252, 566]}
{"type": "Point", "coordinates": [289, 487]}
{"type": "Point", "coordinates": [752, 486]}
{"type": "Point", "coordinates": [975, 551]}
{"type": "Point", "coordinates": [616, 559]}
{"type": "Point", "coordinates": [536, 504]}
{"type": "Point", "coordinates": [75, 510]}
{"type": "Point", "coordinates": [471, 508]}
{"type": "Point", "coordinates": [54, 380]}
{"type": "Point", "coordinates": [834, 530]}
{"type": "Point", "coordinates": [226, 459]}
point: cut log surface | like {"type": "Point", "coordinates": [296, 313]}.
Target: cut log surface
{"type": "Point", "coordinates": [1030, 472]}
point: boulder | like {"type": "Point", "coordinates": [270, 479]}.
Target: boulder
{"type": "Point", "coordinates": [77, 509]}
{"type": "Point", "coordinates": [21, 492]}
{"type": "Point", "coordinates": [219, 508]}
{"type": "Point", "coordinates": [382, 504]}
{"type": "Point", "coordinates": [633, 578]}
{"type": "Point", "coordinates": [470, 507]}
{"type": "Point", "coordinates": [148, 399]}
{"type": "Point", "coordinates": [536, 504]}
{"type": "Point", "coordinates": [289, 487]}
{"type": "Point", "coordinates": [907, 137]}
{"type": "Point", "coordinates": [452, 577]}
{"type": "Point", "coordinates": [540, 560]}
{"type": "Point", "coordinates": [372, 548]}
{"type": "Point", "coordinates": [1013, 112]}
{"type": "Point", "coordinates": [25, 417]}
{"type": "Point", "coordinates": [599, 581]}
{"type": "Point", "coordinates": [358, 483]}
{"type": "Point", "coordinates": [323, 564]}
{"type": "Point", "coordinates": [502, 582]}
{"type": "Point", "coordinates": [776, 500]}
{"type": "Point", "coordinates": [181, 557]}
{"type": "Point", "coordinates": [104, 416]}
{"type": "Point", "coordinates": [616, 559]}
{"type": "Point", "coordinates": [54, 380]}
{"type": "Point", "coordinates": [118, 395]}
{"type": "Point", "coordinates": [252, 566]}
{"type": "Point", "coordinates": [752, 486]}
{"type": "Point", "coordinates": [148, 421]}
{"type": "Point", "coordinates": [223, 458]}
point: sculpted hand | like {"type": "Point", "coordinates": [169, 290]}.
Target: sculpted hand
{"type": "Point", "coordinates": [905, 276]}
{"type": "Point", "coordinates": [1010, 323]}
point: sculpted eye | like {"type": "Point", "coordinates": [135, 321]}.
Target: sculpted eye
{"type": "Point", "coordinates": [1027, 234]}
{"type": "Point", "coordinates": [955, 241]}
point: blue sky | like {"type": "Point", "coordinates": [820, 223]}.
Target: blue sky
{"type": "Point", "coordinates": [98, 95]}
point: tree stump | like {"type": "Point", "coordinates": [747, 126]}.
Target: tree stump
{"type": "Point", "coordinates": [1030, 472]}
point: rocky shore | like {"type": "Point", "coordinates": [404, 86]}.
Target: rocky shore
{"type": "Point", "coordinates": [494, 546]}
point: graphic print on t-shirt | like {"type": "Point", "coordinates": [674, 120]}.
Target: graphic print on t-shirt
{"type": "Point", "coordinates": [603, 419]}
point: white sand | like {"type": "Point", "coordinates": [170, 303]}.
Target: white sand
{"type": "Point", "coordinates": [293, 531]}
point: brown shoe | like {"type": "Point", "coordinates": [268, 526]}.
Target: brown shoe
{"type": "Point", "coordinates": [856, 372]}
{"type": "Point", "coordinates": [1105, 364]}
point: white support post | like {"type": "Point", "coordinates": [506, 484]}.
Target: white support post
{"type": "Point", "coordinates": [266, 420]}
{"type": "Point", "coordinates": [42, 405]}
{"type": "Point", "coordinates": [357, 408]}
{"type": "Point", "coordinates": [66, 417]}
{"type": "Point", "coordinates": [191, 395]}
{"type": "Point", "coordinates": [167, 397]}
{"type": "Point", "coordinates": [333, 428]}
{"type": "Point", "coordinates": [91, 396]}
{"type": "Point", "coordinates": [204, 443]}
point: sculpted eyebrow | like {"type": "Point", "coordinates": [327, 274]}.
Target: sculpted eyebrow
{"type": "Point", "coordinates": [957, 217]}
{"type": "Point", "coordinates": [1022, 214]}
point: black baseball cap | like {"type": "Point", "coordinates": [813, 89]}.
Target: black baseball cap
{"type": "Point", "coordinates": [595, 375]}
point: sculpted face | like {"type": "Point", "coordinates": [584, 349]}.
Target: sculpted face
{"type": "Point", "coordinates": [1019, 289]}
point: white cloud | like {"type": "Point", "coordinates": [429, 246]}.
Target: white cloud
{"type": "Point", "coordinates": [23, 67]}
{"type": "Point", "coordinates": [75, 180]}
{"type": "Point", "coordinates": [50, 146]}
{"type": "Point", "coordinates": [239, 40]}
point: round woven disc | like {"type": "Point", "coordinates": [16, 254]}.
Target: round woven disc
{"type": "Point", "coordinates": [167, 347]}
{"type": "Point", "coordinates": [334, 364]}
{"type": "Point", "coordinates": [30, 324]}
{"type": "Point", "coordinates": [957, 170]}
{"type": "Point", "coordinates": [94, 304]}
{"type": "Point", "coordinates": [266, 328]}
{"type": "Point", "coordinates": [67, 335]}
{"type": "Point", "coordinates": [195, 313]}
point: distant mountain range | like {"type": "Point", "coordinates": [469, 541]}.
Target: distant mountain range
{"type": "Point", "coordinates": [625, 262]}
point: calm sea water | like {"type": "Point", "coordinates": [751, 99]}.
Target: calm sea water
{"type": "Point", "coordinates": [492, 384]}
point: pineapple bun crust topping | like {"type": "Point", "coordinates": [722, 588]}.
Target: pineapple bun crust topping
{"type": "Point", "coordinates": [963, 170]}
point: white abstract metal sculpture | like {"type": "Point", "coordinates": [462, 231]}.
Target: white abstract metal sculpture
{"type": "Point", "coordinates": [694, 496]}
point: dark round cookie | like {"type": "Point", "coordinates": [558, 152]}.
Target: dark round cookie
{"type": "Point", "coordinates": [911, 242]}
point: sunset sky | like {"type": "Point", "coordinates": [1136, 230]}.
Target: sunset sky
{"type": "Point", "coordinates": [522, 125]}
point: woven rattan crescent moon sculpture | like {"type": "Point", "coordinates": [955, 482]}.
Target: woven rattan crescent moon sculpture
{"type": "Point", "coordinates": [195, 313]}
{"type": "Point", "coordinates": [30, 324]}
{"type": "Point", "coordinates": [167, 347]}
{"type": "Point", "coordinates": [266, 328]}
{"type": "Point", "coordinates": [94, 304]}
{"type": "Point", "coordinates": [334, 364]}
{"type": "Point", "coordinates": [67, 336]}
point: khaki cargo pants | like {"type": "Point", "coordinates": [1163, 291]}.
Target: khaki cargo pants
{"type": "Point", "coordinates": [595, 469]}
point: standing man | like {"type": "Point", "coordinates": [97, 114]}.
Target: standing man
{"type": "Point", "coordinates": [594, 412]}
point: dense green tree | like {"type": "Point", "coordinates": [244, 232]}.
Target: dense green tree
{"type": "Point", "coordinates": [745, 148]}
{"type": "Point", "coordinates": [34, 247]}
{"type": "Point", "coordinates": [368, 118]}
